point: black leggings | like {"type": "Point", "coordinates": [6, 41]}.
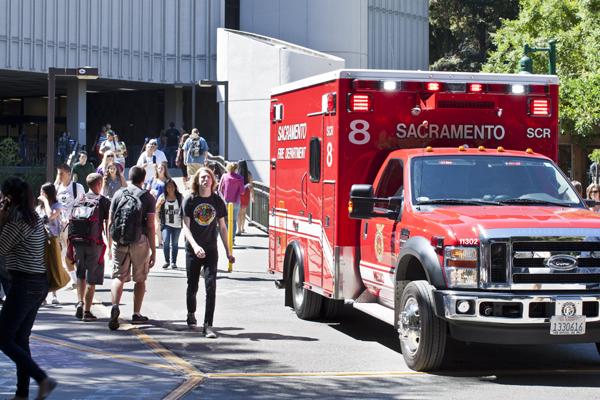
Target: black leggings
{"type": "Point", "coordinates": [193, 266]}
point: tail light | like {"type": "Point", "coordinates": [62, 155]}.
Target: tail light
{"type": "Point", "coordinates": [361, 84]}
{"type": "Point", "coordinates": [359, 103]}
{"type": "Point", "coordinates": [539, 107]}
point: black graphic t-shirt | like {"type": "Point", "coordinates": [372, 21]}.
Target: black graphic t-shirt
{"type": "Point", "coordinates": [204, 214]}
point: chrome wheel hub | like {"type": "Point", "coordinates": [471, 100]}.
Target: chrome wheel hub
{"type": "Point", "coordinates": [297, 288]}
{"type": "Point", "coordinates": [409, 325]}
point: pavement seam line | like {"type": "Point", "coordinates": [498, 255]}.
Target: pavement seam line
{"type": "Point", "coordinates": [105, 354]}
{"type": "Point", "coordinates": [225, 375]}
{"type": "Point", "coordinates": [194, 378]}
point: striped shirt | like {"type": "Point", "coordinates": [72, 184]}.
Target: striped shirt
{"type": "Point", "coordinates": [23, 246]}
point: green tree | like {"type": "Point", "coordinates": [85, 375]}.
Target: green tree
{"type": "Point", "coordinates": [576, 26]}
{"type": "Point", "coordinates": [459, 31]}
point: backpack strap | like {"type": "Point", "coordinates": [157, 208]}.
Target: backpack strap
{"type": "Point", "coordinates": [74, 190]}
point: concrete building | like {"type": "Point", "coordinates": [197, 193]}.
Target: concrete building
{"type": "Point", "coordinates": [152, 53]}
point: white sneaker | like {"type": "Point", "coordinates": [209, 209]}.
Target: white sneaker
{"type": "Point", "coordinates": [55, 300]}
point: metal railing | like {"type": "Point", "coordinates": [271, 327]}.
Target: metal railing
{"type": "Point", "coordinates": [259, 207]}
{"type": "Point", "coordinates": [258, 210]}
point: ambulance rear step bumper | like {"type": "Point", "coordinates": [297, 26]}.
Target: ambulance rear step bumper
{"type": "Point", "coordinates": [376, 310]}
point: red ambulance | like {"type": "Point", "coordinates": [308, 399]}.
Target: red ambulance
{"type": "Point", "coordinates": [432, 201]}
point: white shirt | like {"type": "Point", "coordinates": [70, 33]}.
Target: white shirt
{"type": "Point", "coordinates": [172, 216]}
{"type": "Point", "coordinates": [149, 161]}
{"type": "Point", "coordinates": [67, 199]}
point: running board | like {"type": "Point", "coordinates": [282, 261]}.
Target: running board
{"type": "Point", "coordinates": [376, 310]}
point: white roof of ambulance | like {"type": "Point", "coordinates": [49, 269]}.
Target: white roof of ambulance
{"type": "Point", "coordinates": [376, 74]}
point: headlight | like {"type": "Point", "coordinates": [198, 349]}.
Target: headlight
{"type": "Point", "coordinates": [460, 266]}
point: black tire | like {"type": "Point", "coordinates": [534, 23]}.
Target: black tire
{"type": "Point", "coordinates": [332, 309]}
{"type": "Point", "coordinates": [307, 304]}
{"type": "Point", "coordinates": [422, 334]}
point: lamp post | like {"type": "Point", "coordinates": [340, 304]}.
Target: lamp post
{"type": "Point", "coordinates": [225, 84]}
{"type": "Point", "coordinates": [53, 73]}
{"type": "Point", "coordinates": [526, 64]}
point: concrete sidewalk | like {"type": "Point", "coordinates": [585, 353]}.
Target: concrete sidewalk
{"type": "Point", "coordinates": [91, 362]}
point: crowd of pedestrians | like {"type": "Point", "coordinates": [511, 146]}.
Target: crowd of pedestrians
{"type": "Point", "coordinates": [89, 213]}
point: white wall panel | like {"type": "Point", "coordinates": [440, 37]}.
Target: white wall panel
{"type": "Point", "coordinates": [144, 40]}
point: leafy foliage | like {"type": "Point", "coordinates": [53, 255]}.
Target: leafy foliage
{"type": "Point", "coordinates": [9, 152]}
{"type": "Point", "coordinates": [459, 31]}
{"type": "Point", "coordinates": [576, 26]}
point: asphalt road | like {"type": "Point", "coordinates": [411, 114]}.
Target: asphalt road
{"type": "Point", "coordinates": [265, 352]}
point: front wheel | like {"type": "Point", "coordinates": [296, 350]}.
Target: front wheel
{"type": "Point", "coordinates": [422, 334]}
{"type": "Point", "coordinates": [307, 304]}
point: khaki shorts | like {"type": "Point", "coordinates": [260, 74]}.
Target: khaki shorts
{"type": "Point", "coordinates": [131, 260]}
{"type": "Point", "coordinates": [192, 168]}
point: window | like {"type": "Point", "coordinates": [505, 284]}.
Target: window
{"type": "Point", "coordinates": [390, 184]}
{"type": "Point", "coordinates": [232, 14]}
{"type": "Point", "coordinates": [315, 159]}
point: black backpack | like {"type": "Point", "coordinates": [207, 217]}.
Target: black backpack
{"type": "Point", "coordinates": [127, 220]}
{"type": "Point", "coordinates": [84, 221]}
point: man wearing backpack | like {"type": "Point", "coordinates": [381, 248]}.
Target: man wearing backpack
{"type": "Point", "coordinates": [68, 193]}
{"type": "Point", "coordinates": [88, 221]}
{"type": "Point", "coordinates": [132, 243]}
{"type": "Point", "coordinates": [195, 150]}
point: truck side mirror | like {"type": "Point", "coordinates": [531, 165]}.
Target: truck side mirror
{"type": "Point", "coordinates": [361, 200]}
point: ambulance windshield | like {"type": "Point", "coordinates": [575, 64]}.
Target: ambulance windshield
{"type": "Point", "coordinates": [489, 180]}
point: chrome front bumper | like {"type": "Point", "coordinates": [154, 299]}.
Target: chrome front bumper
{"type": "Point", "coordinates": [523, 309]}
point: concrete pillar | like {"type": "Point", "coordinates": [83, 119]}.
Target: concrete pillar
{"type": "Point", "coordinates": [76, 109]}
{"type": "Point", "coordinates": [174, 107]}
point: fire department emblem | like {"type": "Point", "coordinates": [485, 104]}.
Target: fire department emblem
{"type": "Point", "coordinates": [379, 242]}
{"type": "Point", "coordinates": [568, 309]}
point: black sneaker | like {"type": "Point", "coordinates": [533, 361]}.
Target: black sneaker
{"type": "Point", "coordinates": [209, 332]}
{"type": "Point", "coordinates": [138, 319]}
{"type": "Point", "coordinates": [89, 317]}
{"type": "Point", "coordinates": [191, 321]}
{"type": "Point", "coordinates": [113, 323]}
{"type": "Point", "coordinates": [173, 266]}
{"type": "Point", "coordinates": [79, 310]}
{"type": "Point", "coordinates": [166, 266]}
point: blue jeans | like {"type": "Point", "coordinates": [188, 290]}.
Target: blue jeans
{"type": "Point", "coordinates": [170, 237]}
{"type": "Point", "coordinates": [16, 320]}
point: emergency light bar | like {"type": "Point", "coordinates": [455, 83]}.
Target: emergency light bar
{"type": "Point", "coordinates": [359, 102]}
{"type": "Point", "coordinates": [475, 87]}
{"type": "Point", "coordinates": [433, 86]}
{"type": "Point", "coordinates": [539, 107]}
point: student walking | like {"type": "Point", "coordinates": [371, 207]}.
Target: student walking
{"type": "Point", "coordinates": [246, 197]}
{"type": "Point", "coordinates": [81, 169]}
{"type": "Point", "coordinates": [22, 242]}
{"type": "Point", "coordinates": [88, 221]}
{"type": "Point", "coordinates": [180, 158]}
{"type": "Point", "coordinates": [68, 194]}
{"type": "Point", "coordinates": [195, 150]}
{"type": "Point", "coordinates": [231, 188]}
{"type": "Point", "coordinates": [48, 210]}
{"type": "Point", "coordinates": [204, 215]}
{"type": "Point", "coordinates": [112, 181]}
{"type": "Point", "coordinates": [168, 207]}
{"type": "Point", "coordinates": [150, 158]}
{"type": "Point", "coordinates": [132, 242]}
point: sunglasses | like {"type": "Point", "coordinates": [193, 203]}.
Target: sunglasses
{"type": "Point", "coordinates": [593, 191]}
{"type": "Point", "coordinates": [110, 156]}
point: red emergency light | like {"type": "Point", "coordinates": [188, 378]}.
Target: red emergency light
{"type": "Point", "coordinates": [362, 84]}
{"type": "Point", "coordinates": [539, 107]}
{"type": "Point", "coordinates": [433, 86]}
{"type": "Point", "coordinates": [359, 103]}
{"type": "Point", "coordinates": [475, 87]}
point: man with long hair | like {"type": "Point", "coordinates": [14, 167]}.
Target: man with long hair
{"type": "Point", "coordinates": [204, 215]}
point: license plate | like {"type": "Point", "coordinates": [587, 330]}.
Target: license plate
{"type": "Point", "coordinates": [567, 325]}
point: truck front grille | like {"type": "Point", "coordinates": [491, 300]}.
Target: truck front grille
{"type": "Point", "coordinates": [556, 278]}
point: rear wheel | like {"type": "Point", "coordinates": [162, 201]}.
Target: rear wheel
{"type": "Point", "coordinates": [307, 304]}
{"type": "Point", "coordinates": [332, 309]}
{"type": "Point", "coordinates": [422, 334]}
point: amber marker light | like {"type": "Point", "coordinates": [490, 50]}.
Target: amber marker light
{"type": "Point", "coordinates": [350, 206]}
{"type": "Point", "coordinates": [461, 148]}
{"type": "Point", "coordinates": [481, 148]}
{"type": "Point", "coordinates": [529, 150]}
{"type": "Point", "coordinates": [429, 149]}
{"type": "Point", "coordinates": [500, 149]}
